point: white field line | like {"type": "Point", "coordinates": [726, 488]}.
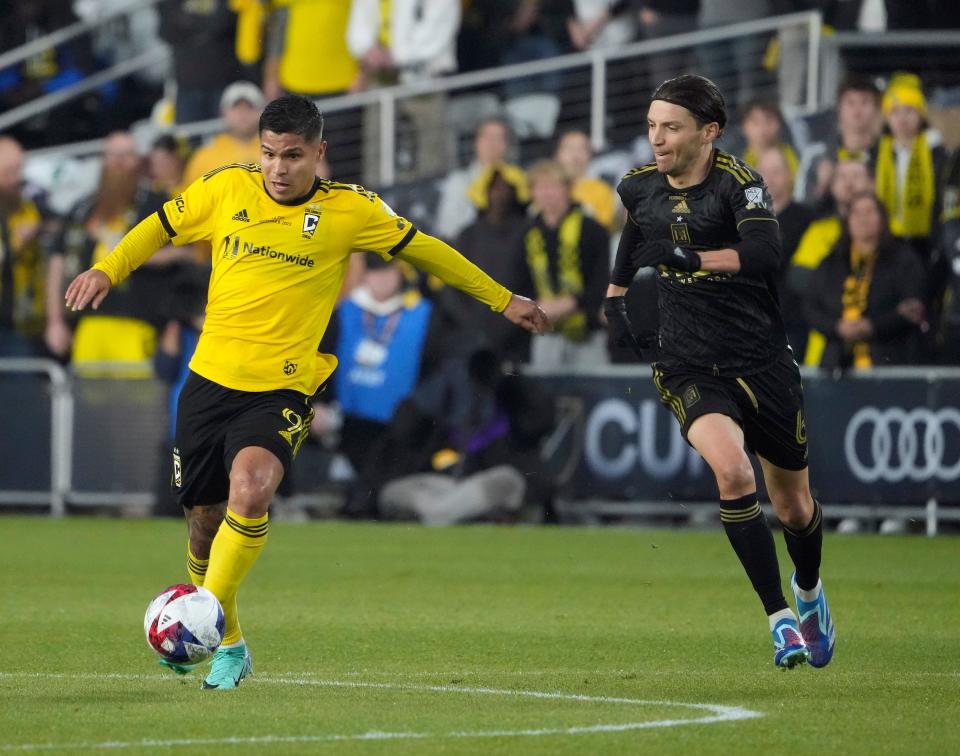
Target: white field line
{"type": "Point", "coordinates": [712, 714]}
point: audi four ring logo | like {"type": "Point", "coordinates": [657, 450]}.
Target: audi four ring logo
{"type": "Point", "coordinates": [903, 444]}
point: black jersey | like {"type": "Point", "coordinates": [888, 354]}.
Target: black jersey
{"type": "Point", "coordinates": [721, 323]}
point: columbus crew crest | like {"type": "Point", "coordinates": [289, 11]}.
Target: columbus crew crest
{"type": "Point", "coordinates": [311, 218]}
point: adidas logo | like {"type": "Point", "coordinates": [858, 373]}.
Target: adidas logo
{"type": "Point", "coordinates": [681, 207]}
{"type": "Point", "coordinates": [242, 216]}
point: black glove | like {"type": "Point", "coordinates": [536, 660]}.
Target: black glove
{"type": "Point", "coordinates": [663, 252]}
{"type": "Point", "coordinates": [621, 330]}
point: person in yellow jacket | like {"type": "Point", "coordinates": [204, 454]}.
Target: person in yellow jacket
{"type": "Point", "coordinates": [283, 239]}
{"type": "Point", "coordinates": [850, 178]}
{"type": "Point", "coordinates": [240, 106]}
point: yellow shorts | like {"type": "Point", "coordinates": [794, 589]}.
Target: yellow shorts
{"type": "Point", "coordinates": [105, 346]}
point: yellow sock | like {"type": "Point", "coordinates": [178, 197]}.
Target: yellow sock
{"type": "Point", "coordinates": [235, 548]}
{"type": "Point", "coordinates": [196, 568]}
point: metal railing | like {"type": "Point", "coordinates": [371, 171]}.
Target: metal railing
{"type": "Point", "coordinates": [61, 436]}
{"type": "Point", "coordinates": [596, 63]}
{"type": "Point", "coordinates": [74, 30]}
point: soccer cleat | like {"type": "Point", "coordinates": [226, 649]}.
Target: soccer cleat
{"type": "Point", "coordinates": [789, 650]}
{"type": "Point", "coordinates": [816, 625]}
{"type": "Point", "coordinates": [180, 669]}
{"type": "Point", "coordinates": [228, 668]}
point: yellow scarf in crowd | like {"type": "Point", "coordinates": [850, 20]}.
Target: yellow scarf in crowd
{"type": "Point", "coordinates": [910, 205]}
{"type": "Point", "coordinates": [569, 276]}
{"type": "Point", "coordinates": [856, 289]}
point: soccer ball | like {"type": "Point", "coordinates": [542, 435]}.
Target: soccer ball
{"type": "Point", "coordinates": [184, 624]}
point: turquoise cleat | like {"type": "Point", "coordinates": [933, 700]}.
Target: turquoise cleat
{"type": "Point", "coordinates": [816, 625]}
{"type": "Point", "coordinates": [228, 668]}
{"type": "Point", "coordinates": [789, 650]}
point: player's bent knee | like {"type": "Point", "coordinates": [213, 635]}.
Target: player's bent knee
{"type": "Point", "coordinates": [735, 479]}
{"type": "Point", "coordinates": [794, 509]}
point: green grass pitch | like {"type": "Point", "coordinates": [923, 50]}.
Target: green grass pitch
{"type": "Point", "coordinates": [377, 639]}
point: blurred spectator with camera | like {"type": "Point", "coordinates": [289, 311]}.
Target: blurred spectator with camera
{"type": "Point", "coordinates": [22, 263]}
{"type": "Point", "coordinates": [866, 298]}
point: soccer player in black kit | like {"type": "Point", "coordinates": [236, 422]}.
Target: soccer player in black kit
{"type": "Point", "coordinates": [704, 219]}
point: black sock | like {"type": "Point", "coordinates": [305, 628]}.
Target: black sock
{"type": "Point", "coordinates": [805, 547]}
{"type": "Point", "coordinates": [751, 538]}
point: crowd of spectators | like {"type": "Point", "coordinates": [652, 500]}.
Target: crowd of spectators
{"type": "Point", "coordinates": [869, 216]}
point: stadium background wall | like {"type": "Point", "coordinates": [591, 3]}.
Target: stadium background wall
{"type": "Point", "coordinates": [889, 438]}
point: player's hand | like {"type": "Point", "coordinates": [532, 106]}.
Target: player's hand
{"type": "Point", "coordinates": [527, 314]}
{"type": "Point", "coordinates": [663, 252]}
{"type": "Point", "coordinates": [89, 288]}
{"type": "Point", "coordinates": [621, 329]}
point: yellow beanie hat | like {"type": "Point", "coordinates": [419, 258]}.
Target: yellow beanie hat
{"type": "Point", "coordinates": [904, 89]}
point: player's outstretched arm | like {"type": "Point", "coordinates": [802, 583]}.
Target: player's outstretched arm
{"type": "Point", "coordinates": [134, 249]}
{"type": "Point", "coordinates": [434, 256]}
{"type": "Point", "coordinates": [527, 314]}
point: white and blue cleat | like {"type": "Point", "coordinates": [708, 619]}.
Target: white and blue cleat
{"type": "Point", "coordinates": [816, 625]}
{"type": "Point", "coordinates": [789, 650]}
{"type": "Point", "coordinates": [228, 667]}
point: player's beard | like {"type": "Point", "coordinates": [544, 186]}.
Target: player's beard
{"type": "Point", "coordinates": [115, 194]}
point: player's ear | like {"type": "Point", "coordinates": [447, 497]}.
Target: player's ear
{"type": "Point", "coordinates": [711, 131]}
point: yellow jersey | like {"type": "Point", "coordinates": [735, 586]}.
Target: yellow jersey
{"type": "Point", "coordinates": [278, 268]}
{"type": "Point", "coordinates": [277, 271]}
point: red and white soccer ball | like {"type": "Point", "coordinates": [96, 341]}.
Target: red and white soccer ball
{"type": "Point", "coordinates": [184, 624]}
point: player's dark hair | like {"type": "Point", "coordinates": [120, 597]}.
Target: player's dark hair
{"type": "Point", "coordinates": [859, 83]}
{"type": "Point", "coordinates": [293, 114]}
{"type": "Point", "coordinates": [697, 94]}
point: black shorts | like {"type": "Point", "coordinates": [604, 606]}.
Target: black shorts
{"type": "Point", "coordinates": [214, 423]}
{"type": "Point", "coordinates": [767, 405]}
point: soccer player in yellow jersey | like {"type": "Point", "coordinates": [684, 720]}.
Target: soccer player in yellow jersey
{"type": "Point", "coordinates": [282, 240]}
